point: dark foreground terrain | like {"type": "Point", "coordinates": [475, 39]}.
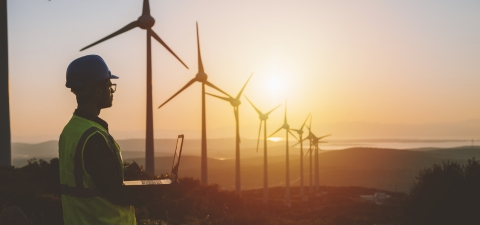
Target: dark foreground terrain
{"type": "Point", "coordinates": [34, 190]}
{"type": "Point", "coordinates": [445, 193]}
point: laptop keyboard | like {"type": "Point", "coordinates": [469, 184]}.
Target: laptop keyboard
{"type": "Point", "coordinates": [156, 182]}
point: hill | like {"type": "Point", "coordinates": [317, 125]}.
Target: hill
{"type": "Point", "coordinates": [387, 169]}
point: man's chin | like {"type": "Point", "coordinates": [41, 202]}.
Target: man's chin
{"type": "Point", "coordinates": [107, 105]}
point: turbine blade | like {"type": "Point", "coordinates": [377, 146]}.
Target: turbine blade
{"type": "Point", "coordinates": [295, 144]}
{"type": "Point", "coordinates": [154, 35]}
{"type": "Point", "coordinates": [293, 135]}
{"type": "Point", "coordinates": [301, 128]}
{"type": "Point", "coordinates": [146, 8]}
{"type": "Point", "coordinates": [259, 131]}
{"type": "Point", "coordinates": [216, 88]}
{"type": "Point", "coordinates": [122, 30]}
{"type": "Point", "coordinates": [300, 141]}
{"type": "Point", "coordinates": [220, 97]}
{"type": "Point", "coordinates": [276, 131]}
{"type": "Point", "coordinates": [308, 152]}
{"type": "Point", "coordinates": [240, 93]}
{"type": "Point", "coordinates": [324, 136]}
{"type": "Point", "coordinates": [178, 92]}
{"type": "Point", "coordinates": [273, 109]}
{"type": "Point", "coordinates": [258, 111]}
{"type": "Point", "coordinates": [200, 63]}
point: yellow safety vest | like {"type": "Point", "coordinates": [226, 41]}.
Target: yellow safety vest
{"type": "Point", "coordinates": [81, 200]}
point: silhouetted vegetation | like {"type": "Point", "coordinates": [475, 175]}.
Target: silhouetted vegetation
{"type": "Point", "coordinates": [447, 193]}
{"type": "Point", "coordinates": [34, 189]}
{"type": "Point", "coordinates": [443, 194]}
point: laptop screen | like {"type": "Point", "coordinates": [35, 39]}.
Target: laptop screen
{"type": "Point", "coordinates": [176, 156]}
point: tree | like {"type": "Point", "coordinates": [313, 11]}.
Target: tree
{"type": "Point", "coordinates": [445, 194]}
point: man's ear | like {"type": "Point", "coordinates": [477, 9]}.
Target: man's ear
{"type": "Point", "coordinates": [98, 92]}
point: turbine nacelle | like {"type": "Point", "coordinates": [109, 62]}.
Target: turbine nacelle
{"type": "Point", "coordinates": [286, 126]}
{"type": "Point", "coordinates": [145, 21]}
{"type": "Point", "coordinates": [235, 102]}
{"type": "Point", "coordinates": [201, 76]}
{"type": "Point", "coordinates": [263, 116]}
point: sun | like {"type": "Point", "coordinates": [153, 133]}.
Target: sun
{"type": "Point", "coordinates": [276, 80]}
{"type": "Point", "coordinates": [275, 84]}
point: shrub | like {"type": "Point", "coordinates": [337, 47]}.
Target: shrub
{"type": "Point", "coordinates": [445, 194]}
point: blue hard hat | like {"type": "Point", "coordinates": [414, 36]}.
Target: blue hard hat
{"type": "Point", "coordinates": [87, 71]}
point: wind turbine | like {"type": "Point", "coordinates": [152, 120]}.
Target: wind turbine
{"type": "Point", "coordinates": [5, 135]}
{"type": "Point", "coordinates": [263, 119]}
{"type": "Point", "coordinates": [146, 22]}
{"type": "Point", "coordinates": [235, 102]}
{"type": "Point", "coordinates": [300, 133]}
{"type": "Point", "coordinates": [313, 144]}
{"type": "Point", "coordinates": [202, 78]}
{"type": "Point", "coordinates": [287, 131]}
{"type": "Point", "coordinates": [314, 141]}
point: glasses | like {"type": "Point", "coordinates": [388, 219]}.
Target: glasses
{"type": "Point", "coordinates": [112, 87]}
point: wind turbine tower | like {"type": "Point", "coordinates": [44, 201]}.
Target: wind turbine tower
{"type": "Point", "coordinates": [287, 180]}
{"type": "Point", "coordinates": [5, 135]}
{"type": "Point", "coordinates": [235, 102]}
{"type": "Point", "coordinates": [263, 119]}
{"type": "Point", "coordinates": [300, 133]}
{"type": "Point", "coordinates": [202, 78]}
{"type": "Point", "coordinates": [146, 22]}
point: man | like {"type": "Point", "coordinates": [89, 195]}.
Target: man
{"type": "Point", "coordinates": [91, 165]}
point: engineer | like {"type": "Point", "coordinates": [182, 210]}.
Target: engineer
{"type": "Point", "coordinates": [91, 165]}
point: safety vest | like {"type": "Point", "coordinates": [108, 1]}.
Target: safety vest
{"type": "Point", "coordinates": [81, 200]}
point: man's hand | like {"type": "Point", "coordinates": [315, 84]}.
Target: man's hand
{"type": "Point", "coordinates": [133, 172]}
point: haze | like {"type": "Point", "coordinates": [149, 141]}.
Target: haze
{"type": "Point", "coordinates": [400, 62]}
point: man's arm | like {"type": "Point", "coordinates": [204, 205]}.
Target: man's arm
{"type": "Point", "coordinates": [102, 165]}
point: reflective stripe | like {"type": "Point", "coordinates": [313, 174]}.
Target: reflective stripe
{"type": "Point", "coordinates": [79, 192]}
{"type": "Point", "coordinates": [110, 143]}
{"type": "Point", "coordinates": [78, 159]}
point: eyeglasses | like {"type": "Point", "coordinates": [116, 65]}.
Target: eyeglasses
{"type": "Point", "coordinates": [112, 87]}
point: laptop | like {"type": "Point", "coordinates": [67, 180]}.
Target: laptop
{"type": "Point", "coordinates": [173, 175]}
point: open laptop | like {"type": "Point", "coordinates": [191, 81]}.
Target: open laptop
{"type": "Point", "coordinates": [174, 173]}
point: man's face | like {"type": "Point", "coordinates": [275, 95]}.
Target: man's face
{"type": "Point", "coordinates": [105, 95]}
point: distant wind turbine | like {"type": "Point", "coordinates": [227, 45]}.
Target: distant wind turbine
{"type": "Point", "coordinates": [146, 22]}
{"type": "Point", "coordinates": [314, 141]}
{"type": "Point", "coordinates": [300, 133]}
{"type": "Point", "coordinates": [235, 102]}
{"type": "Point", "coordinates": [263, 119]}
{"type": "Point", "coordinates": [313, 144]}
{"type": "Point", "coordinates": [202, 78]}
{"type": "Point", "coordinates": [287, 131]}
{"type": "Point", "coordinates": [5, 135]}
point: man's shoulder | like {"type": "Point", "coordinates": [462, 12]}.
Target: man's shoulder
{"type": "Point", "coordinates": [77, 126]}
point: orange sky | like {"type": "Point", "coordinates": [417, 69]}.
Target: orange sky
{"type": "Point", "coordinates": [376, 61]}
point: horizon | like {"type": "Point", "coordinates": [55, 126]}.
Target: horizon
{"type": "Point", "coordinates": [461, 130]}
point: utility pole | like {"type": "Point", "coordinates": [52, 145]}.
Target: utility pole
{"type": "Point", "coordinates": [5, 135]}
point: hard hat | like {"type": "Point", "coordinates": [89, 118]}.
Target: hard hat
{"type": "Point", "coordinates": [87, 71]}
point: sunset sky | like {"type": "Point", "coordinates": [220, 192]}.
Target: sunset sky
{"type": "Point", "coordinates": [402, 62]}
